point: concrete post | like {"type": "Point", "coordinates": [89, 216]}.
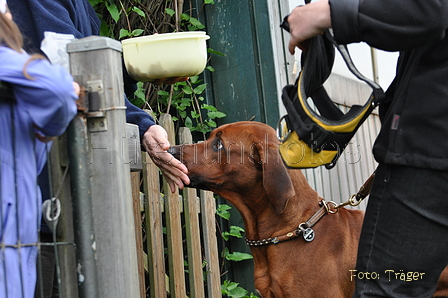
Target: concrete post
{"type": "Point", "coordinates": [96, 65]}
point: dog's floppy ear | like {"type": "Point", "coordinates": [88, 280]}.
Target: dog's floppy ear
{"type": "Point", "coordinates": [276, 181]}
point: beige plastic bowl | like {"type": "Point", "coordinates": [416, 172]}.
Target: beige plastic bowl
{"type": "Point", "coordinates": [167, 55]}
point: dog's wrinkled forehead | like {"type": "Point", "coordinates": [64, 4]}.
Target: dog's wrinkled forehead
{"type": "Point", "coordinates": [245, 132]}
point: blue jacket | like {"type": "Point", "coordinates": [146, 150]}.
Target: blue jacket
{"type": "Point", "coordinates": [76, 17]}
{"type": "Point", "coordinates": [48, 102]}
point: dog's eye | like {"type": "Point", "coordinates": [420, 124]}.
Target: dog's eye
{"type": "Point", "coordinates": [217, 145]}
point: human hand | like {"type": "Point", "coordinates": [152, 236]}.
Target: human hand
{"type": "Point", "coordinates": [169, 81]}
{"type": "Point", "coordinates": [77, 88]}
{"type": "Point", "coordinates": [155, 141]}
{"type": "Point", "coordinates": [306, 22]}
{"type": "Point", "coordinates": [44, 139]}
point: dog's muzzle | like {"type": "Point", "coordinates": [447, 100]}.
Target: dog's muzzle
{"type": "Point", "coordinates": [175, 151]}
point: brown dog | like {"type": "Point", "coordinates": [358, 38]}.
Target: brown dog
{"type": "Point", "coordinates": [241, 163]}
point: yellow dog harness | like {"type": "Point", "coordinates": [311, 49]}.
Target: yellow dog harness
{"type": "Point", "coordinates": [315, 131]}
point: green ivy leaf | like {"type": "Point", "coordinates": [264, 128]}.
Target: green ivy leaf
{"type": "Point", "coordinates": [222, 210]}
{"type": "Point", "coordinates": [163, 93]}
{"type": "Point", "coordinates": [170, 11]}
{"type": "Point", "coordinates": [138, 11]}
{"type": "Point", "coordinates": [137, 32]}
{"type": "Point", "coordinates": [184, 17]}
{"type": "Point", "coordinates": [212, 123]}
{"type": "Point", "coordinates": [195, 115]}
{"type": "Point", "coordinates": [209, 107]}
{"type": "Point", "coordinates": [113, 10]}
{"type": "Point", "coordinates": [104, 30]}
{"type": "Point", "coordinates": [187, 90]}
{"type": "Point", "coordinates": [211, 51]}
{"type": "Point", "coordinates": [231, 289]}
{"type": "Point", "coordinates": [235, 231]}
{"type": "Point", "coordinates": [228, 286]}
{"type": "Point", "coordinates": [214, 115]}
{"type": "Point", "coordinates": [139, 95]}
{"type": "Point", "coordinates": [238, 293]}
{"type": "Point", "coordinates": [185, 102]}
{"type": "Point", "coordinates": [95, 2]}
{"type": "Point", "coordinates": [194, 79]}
{"type": "Point", "coordinates": [124, 33]}
{"type": "Point", "coordinates": [199, 89]}
{"type": "Point", "coordinates": [196, 23]}
{"type": "Point", "coordinates": [238, 256]}
{"type": "Point", "coordinates": [209, 2]}
{"type": "Point", "coordinates": [188, 122]}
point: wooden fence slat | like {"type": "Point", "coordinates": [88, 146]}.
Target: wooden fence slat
{"type": "Point", "coordinates": [193, 237]}
{"type": "Point", "coordinates": [174, 227]}
{"type": "Point", "coordinates": [192, 232]}
{"type": "Point", "coordinates": [208, 210]}
{"type": "Point", "coordinates": [135, 182]}
{"type": "Point", "coordinates": [159, 282]}
{"type": "Point", "coordinates": [154, 231]}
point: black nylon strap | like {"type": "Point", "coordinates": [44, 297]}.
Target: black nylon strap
{"type": "Point", "coordinates": [6, 92]}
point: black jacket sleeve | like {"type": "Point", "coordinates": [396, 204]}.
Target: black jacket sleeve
{"type": "Point", "coordinates": [391, 25]}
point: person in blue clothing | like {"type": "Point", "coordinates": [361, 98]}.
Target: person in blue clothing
{"type": "Point", "coordinates": [405, 229]}
{"type": "Point", "coordinates": [37, 102]}
{"type": "Point", "coordinates": [77, 17]}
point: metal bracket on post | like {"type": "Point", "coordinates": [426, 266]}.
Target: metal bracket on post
{"type": "Point", "coordinates": [96, 118]}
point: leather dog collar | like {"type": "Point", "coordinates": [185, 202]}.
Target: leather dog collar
{"type": "Point", "coordinates": [304, 229]}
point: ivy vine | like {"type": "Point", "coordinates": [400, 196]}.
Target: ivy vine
{"type": "Point", "coordinates": [185, 101]}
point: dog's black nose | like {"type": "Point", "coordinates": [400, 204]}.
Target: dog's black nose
{"type": "Point", "coordinates": [175, 151]}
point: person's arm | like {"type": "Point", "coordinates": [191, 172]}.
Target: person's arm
{"type": "Point", "coordinates": [49, 96]}
{"type": "Point", "coordinates": [393, 25]}
{"type": "Point", "coordinates": [34, 17]}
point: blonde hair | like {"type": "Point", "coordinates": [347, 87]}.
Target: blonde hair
{"type": "Point", "coordinates": [11, 37]}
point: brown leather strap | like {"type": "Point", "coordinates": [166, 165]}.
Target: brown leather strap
{"type": "Point", "coordinates": [325, 208]}
{"type": "Point", "coordinates": [293, 234]}
{"type": "Point", "coordinates": [364, 191]}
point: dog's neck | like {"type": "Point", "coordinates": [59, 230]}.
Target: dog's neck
{"type": "Point", "coordinates": [261, 221]}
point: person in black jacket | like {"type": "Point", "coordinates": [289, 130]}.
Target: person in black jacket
{"type": "Point", "coordinates": [405, 231]}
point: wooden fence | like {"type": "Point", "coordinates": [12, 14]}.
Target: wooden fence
{"type": "Point", "coordinates": [190, 237]}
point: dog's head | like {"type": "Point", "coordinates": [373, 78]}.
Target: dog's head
{"type": "Point", "coordinates": [239, 159]}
